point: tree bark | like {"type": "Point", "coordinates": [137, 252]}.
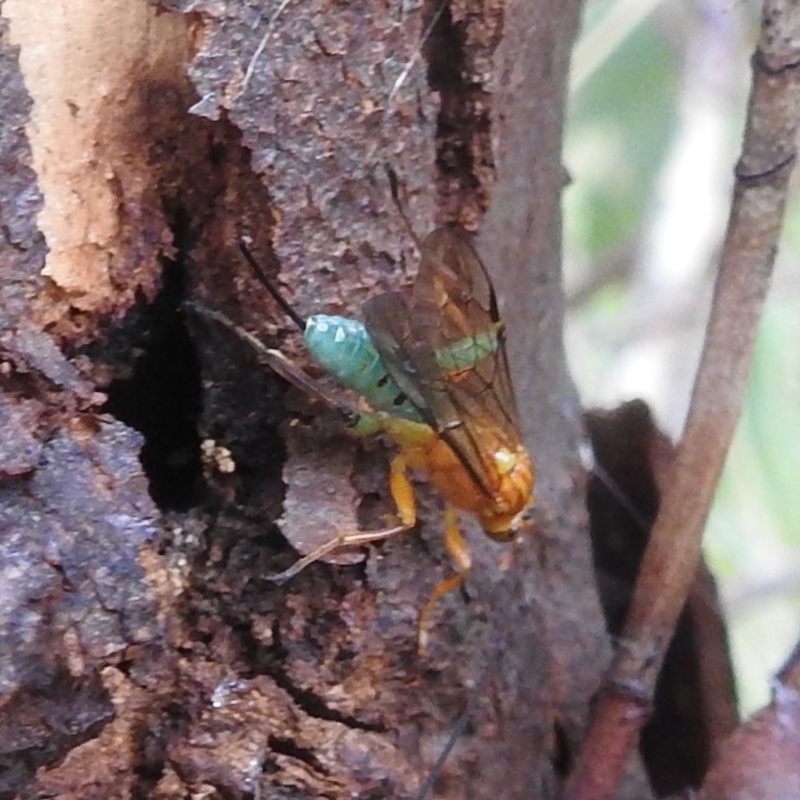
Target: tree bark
{"type": "Point", "coordinates": [141, 608]}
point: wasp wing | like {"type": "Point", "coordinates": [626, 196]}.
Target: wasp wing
{"type": "Point", "coordinates": [412, 362]}
{"type": "Point", "coordinates": [409, 359]}
{"type": "Point", "coordinates": [454, 301]}
{"type": "Point", "coordinates": [447, 353]}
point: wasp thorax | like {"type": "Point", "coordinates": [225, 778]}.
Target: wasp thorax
{"type": "Point", "coordinates": [513, 498]}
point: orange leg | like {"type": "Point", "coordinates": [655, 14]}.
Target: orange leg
{"type": "Point", "coordinates": [459, 552]}
{"type": "Point", "coordinates": [403, 495]}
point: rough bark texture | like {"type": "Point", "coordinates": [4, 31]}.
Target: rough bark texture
{"type": "Point", "coordinates": [179, 669]}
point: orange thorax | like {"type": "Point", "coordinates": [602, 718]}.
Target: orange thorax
{"type": "Point", "coordinates": [511, 489]}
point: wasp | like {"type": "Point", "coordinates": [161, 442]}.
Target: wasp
{"type": "Point", "coordinates": [434, 374]}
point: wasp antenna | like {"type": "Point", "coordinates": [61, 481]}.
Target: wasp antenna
{"type": "Point", "coordinates": [394, 187]}
{"type": "Point", "coordinates": [271, 288]}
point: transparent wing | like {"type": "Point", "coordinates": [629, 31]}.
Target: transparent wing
{"type": "Point", "coordinates": [409, 359]}
{"type": "Point", "coordinates": [454, 301]}
{"type": "Point", "coordinates": [446, 351]}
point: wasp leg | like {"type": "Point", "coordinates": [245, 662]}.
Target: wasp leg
{"type": "Point", "coordinates": [403, 495]}
{"type": "Point", "coordinates": [459, 552]}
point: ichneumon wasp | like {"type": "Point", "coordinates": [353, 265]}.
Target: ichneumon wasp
{"type": "Point", "coordinates": [435, 376]}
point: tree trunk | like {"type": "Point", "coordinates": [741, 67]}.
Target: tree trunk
{"type": "Point", "coordinates": [139, 610]}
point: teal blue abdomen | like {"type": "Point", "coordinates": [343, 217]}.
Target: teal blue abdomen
{"type": "Point", "coordinates": [345, 349]}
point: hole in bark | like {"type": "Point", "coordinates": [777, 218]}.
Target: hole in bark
{"type": "Point", "coordinates": [562, 752]}
{"type": "Point", "coordinates": [162, 396]}
{"type": "Point", "coordinates": [446, 67]}
{"type": "Point", "coordinates": [444, 50]}
{"type": "Point", "coordinates": [464, 156]}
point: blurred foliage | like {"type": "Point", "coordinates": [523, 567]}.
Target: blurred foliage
{"type": "Point", "coordinates": [616, 178]}
{"type": "Point", "coordinates": [659, 96]}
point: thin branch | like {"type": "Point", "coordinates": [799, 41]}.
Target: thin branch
{"type": "Point", "coordinates": [672, 556]}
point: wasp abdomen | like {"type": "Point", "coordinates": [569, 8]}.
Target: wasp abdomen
{"type": "Point", "coordinates": [467, 352]}
{"type": "Point", "coordinates": [345, 349]}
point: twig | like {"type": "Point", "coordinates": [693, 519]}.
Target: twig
{"type": "Point", "coordinates": [671, 558]}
